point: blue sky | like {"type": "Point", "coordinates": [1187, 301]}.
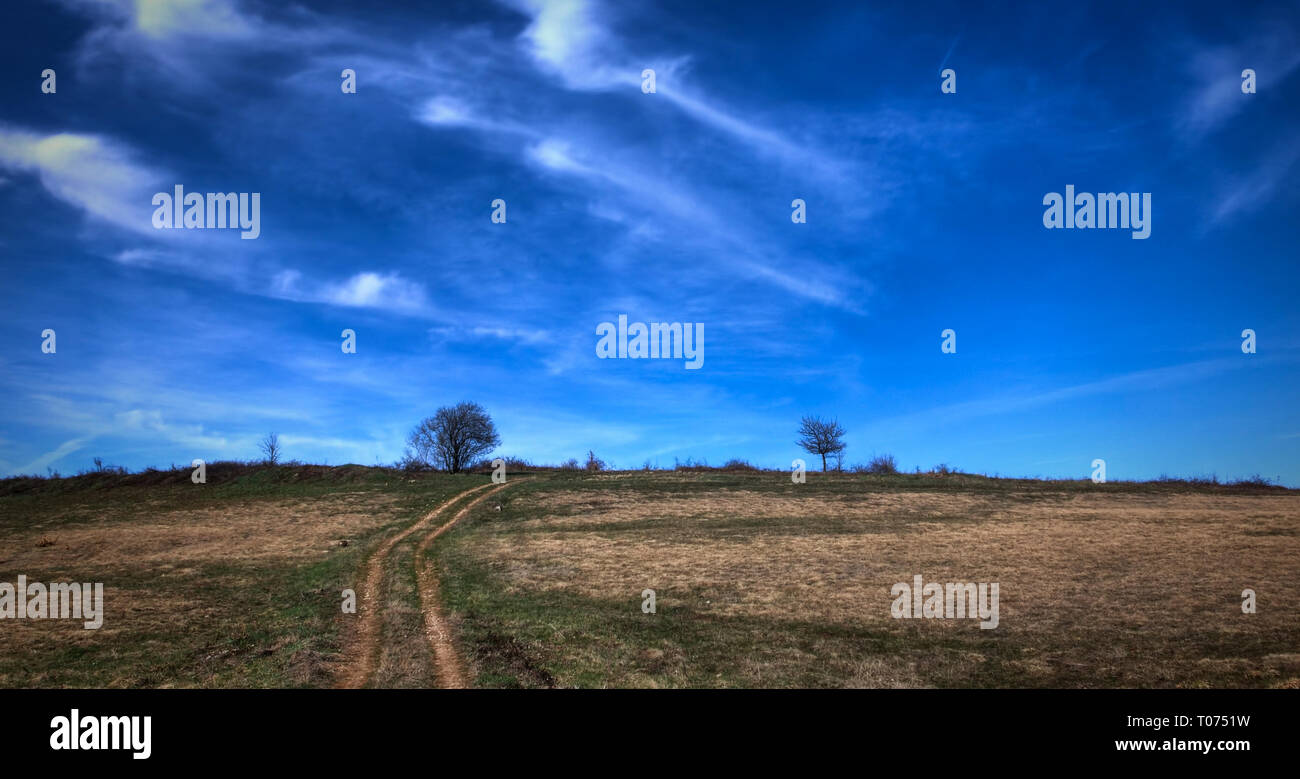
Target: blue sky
{"type": "Point", "coordinates": [924, 212]}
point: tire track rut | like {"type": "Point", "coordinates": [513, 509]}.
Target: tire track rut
{"type": "Point", "coordinates": [363, 652]}
{"type": "Point", "coordinates": [450, 671]}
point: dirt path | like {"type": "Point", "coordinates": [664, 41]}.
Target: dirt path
{"type": "Point", "coordinates": [364, 649]}
{"type": "Point", "coordinates": [450, 669]}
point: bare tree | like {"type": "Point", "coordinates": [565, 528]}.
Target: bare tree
{"type": "Point", "coordinates": [453, 438]}
{"type": "Point", "coordinates": [270, 447]}
{"type": "Point", "coordinates": [819, 436]}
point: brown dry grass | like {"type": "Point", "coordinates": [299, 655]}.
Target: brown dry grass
{"type": "Point", "coordinates": [242, 588]}
{"type": "Point", "coordinates": [169, 541]}
{"type": "Point", "coordinates": [1135, 588]}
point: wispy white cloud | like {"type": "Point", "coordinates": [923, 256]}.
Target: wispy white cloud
{"type": "Point", "coordinates": [91, 173]}
{"type": "Point", "coordinates": [453, 112]}
{"type": "Point", "coordinates": [761, 138]}
{"type": "Point", "coordinates": [447, 110]}
{"type": "Point", "coordinates": [1136, 381]}
{"type": "Point", "coordinates": [350, 445]}
{"type": "Point", "coordinates": [1254, 190]}
{"type": "Point", "coordinates": [737, 248]}
{"type": "Point", "coordinates": [571, 38]}
{"type": "Point", "coordinates": [523, 335]}
{"type": "Point", "coordinates": [64, 449]}
{"type": "Point", "coordinates": [565, 37]}
{"type": "Point", "coordinates": [169, 18]}
{"type": "Point", "coordinates": [199, 263]}
{"type": "Point", "coordinates": [177, 40]}
{"type": "Point", "coordinates": [555, 155]}
{"type": "Point", "coordinates": [389, 291]}
{"type": "Point", "coordinates": [1216, 96]}
{"type": "Point", "coordinates": [151, 422]}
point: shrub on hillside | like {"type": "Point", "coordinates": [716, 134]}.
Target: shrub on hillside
{"type": "Point", "coordinates": [877, 465]}
{"type": "Point", "coordinates": [691, 465]}
{"type": "Point", "coordinates": [513, 465]}
{"type": "Point", "coordinates": [883, 464]}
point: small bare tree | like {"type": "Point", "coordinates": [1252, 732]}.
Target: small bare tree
{"type": "Point", "coordinates": [453, 438]}
{"type": "Point", "coordinates": [270, 447]}
{"type": "Point", "coordinates": [819, 436]}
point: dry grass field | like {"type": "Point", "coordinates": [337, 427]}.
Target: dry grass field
{"type": "Point", "coordinates": [233, 583]}
{"type": "Point", "coordinates": [761, 583]}
{"type": "Point", "coordinates": [758, 582]}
